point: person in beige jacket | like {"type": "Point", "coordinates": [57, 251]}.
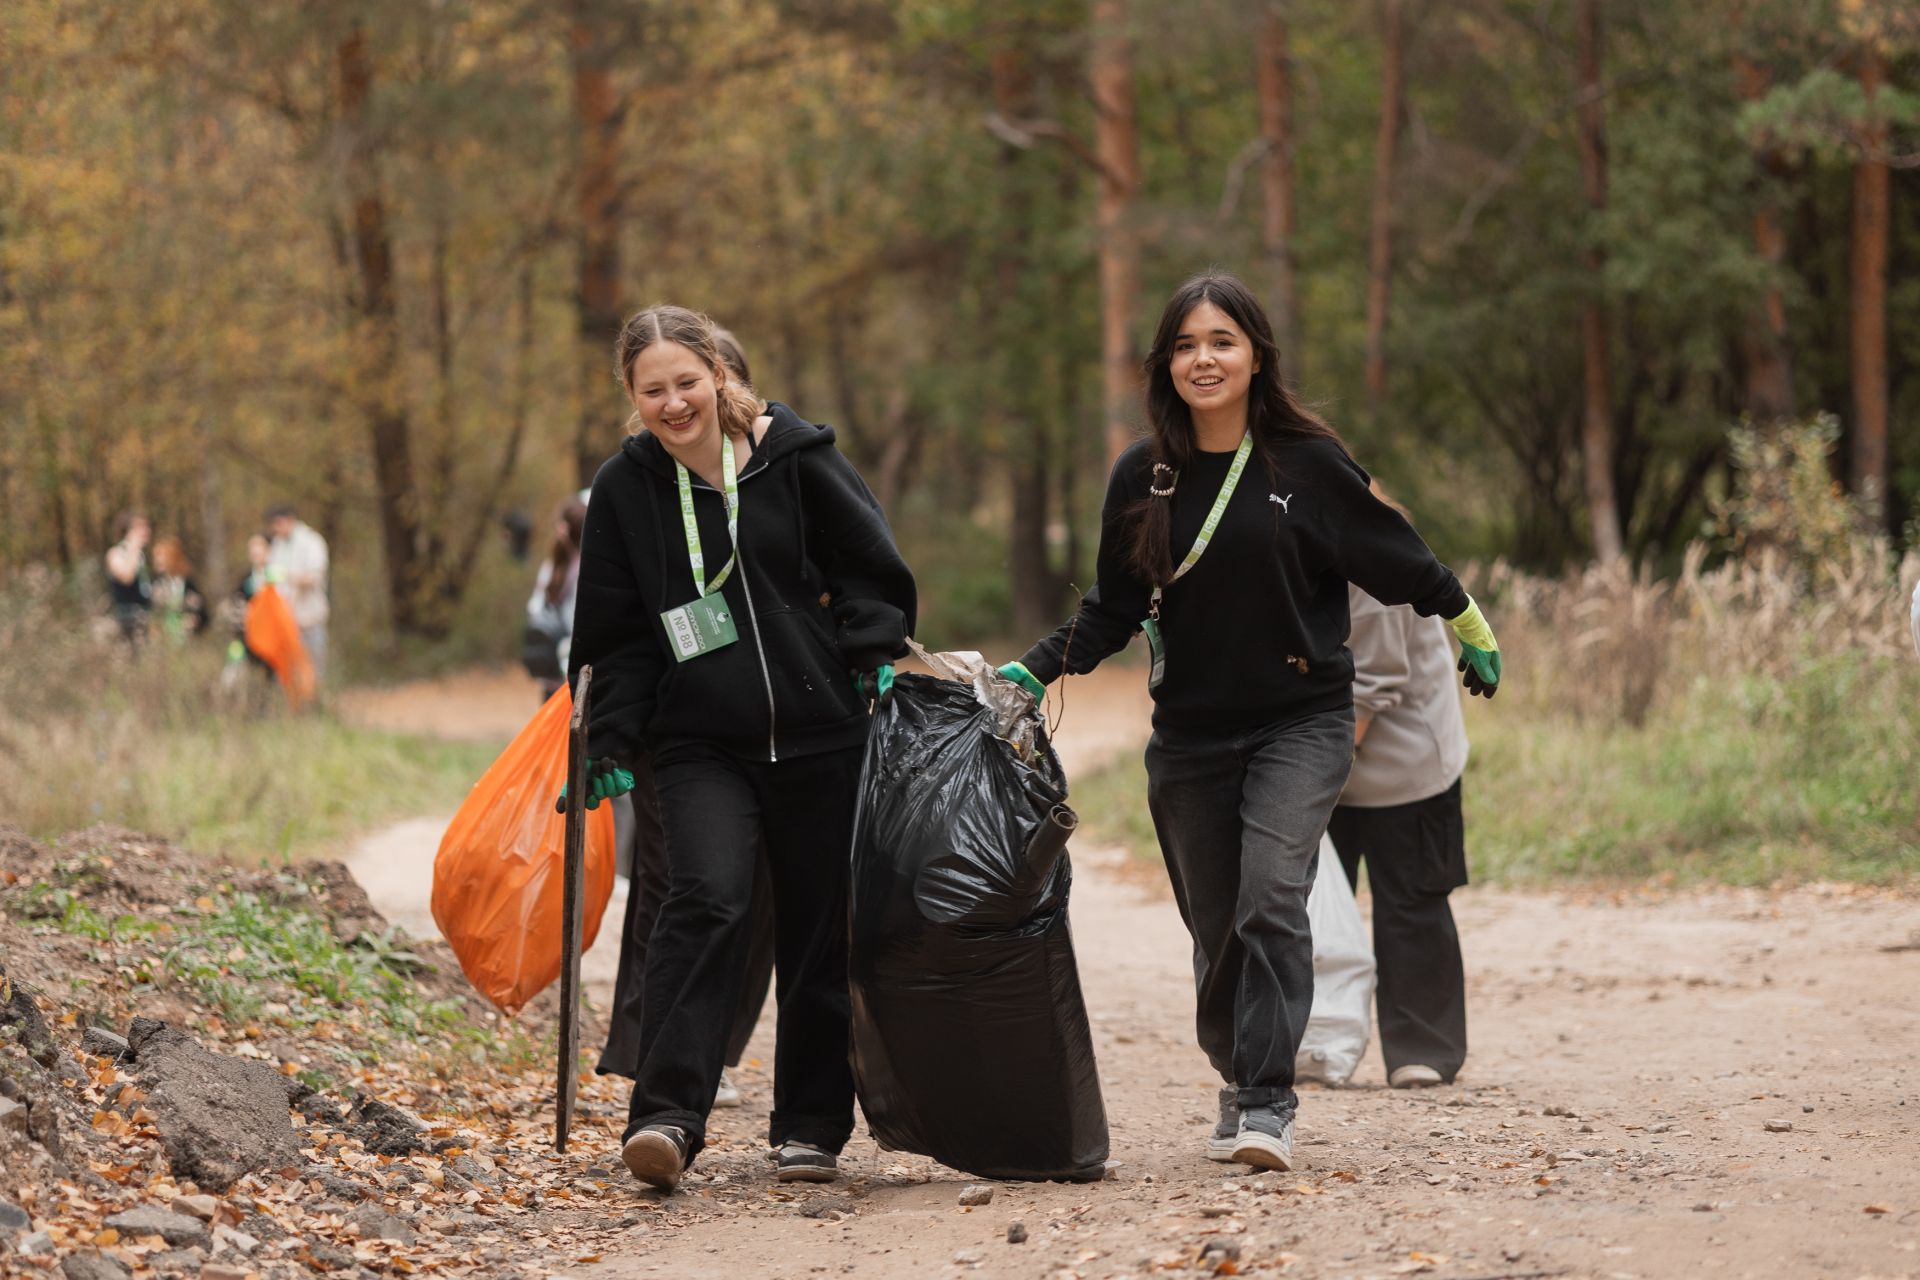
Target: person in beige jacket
{"type": "Point", "coordinates": [1400, 814]}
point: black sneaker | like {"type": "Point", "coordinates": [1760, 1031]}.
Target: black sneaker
{"type": "Point", "coordinates": [1227, 1131]}
{"type": "Point", "coordinates": [1265, 1140]}
{"type": "Point", "coordinates": [657, 1155]}
{"type": "Point", "coordinates": [804, 1162]}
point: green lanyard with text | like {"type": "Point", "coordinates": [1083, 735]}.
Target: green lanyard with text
{"type": "Point", "coordinates": [1156, 644]}
{"type": "Point", "coordinates": [704, 624]}
{"type": "Point", "coordinates": [732, 493]}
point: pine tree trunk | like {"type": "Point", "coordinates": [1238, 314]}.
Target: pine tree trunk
{"type": "Point", "coordinates": [1769, 360]}
{"type": "Point", "coordinates": [1386, 142]}
{"type": "Point", "coordinates": [1867, 305]}
{"type": "Point", "coordinates": [597, 110]}
{"type": "Point", "coordinates": [212, 569]}
{"type": "Point", "coordinates": [1275, 77]}
{"type": "Point", "coordinates": [1117, 145]}
{"type": "Point", "coordinates": [1029, 580]}
{"type": "Point", "coordinates": [1596, 427]}
{"type": "Point", "coordinates": [377, 349]}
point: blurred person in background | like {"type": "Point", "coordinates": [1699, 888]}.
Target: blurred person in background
{"type": "Point", "coordinates": [297, 556]}
{"type": "Point", "coordinates": [1400, 814]}
{"type": "Point", "coordinates": [233, 612]}
{"type": "Point", "coordinates": [549, 630]}
{"type": "Point", "coordinates": [129, 581]}
{"type": "Point", "coordinates": [178, 605]}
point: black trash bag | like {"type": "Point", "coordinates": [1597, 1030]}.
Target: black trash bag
{"type": "Point", "coordinates": [970, 1038]}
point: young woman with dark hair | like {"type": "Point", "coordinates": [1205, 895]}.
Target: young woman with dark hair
{"type": "Point", "coordinates": [549, 626]}
{"type": "Point", "coordinates": [1229, 536]}
{"type": "Point", "coordinates": [734, 571]}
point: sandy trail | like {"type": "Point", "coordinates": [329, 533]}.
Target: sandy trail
{"type": "Point", "coordinates": [1664, 1033]}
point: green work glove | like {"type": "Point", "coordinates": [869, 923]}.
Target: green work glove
{"type": "Point", "coordinates": [1479, 651]}
{"type": "Point", "coordinates": [874, 684]}
{"type": "Point", "coordinates": [605, 780]}
{"type": "Point", "coordinates": [1018, 673]}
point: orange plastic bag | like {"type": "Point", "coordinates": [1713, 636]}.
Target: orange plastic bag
{"type": "Point", "coordinates": [273, 634]}
{"type": "Point", "coordinates": [498, 876]}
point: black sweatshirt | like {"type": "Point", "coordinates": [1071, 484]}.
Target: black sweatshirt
{"type": "Point", "coordinates": [820, 590]}
{"type": "Point", "coordinates": [1256, 631]}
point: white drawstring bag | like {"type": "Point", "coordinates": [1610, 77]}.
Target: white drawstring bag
{"type": "Point", "coordinates": [1342, 1018]}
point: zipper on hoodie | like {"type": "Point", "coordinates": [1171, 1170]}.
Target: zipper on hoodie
{"type": "Point", "coordinates": [759, 644]}
{"type": "Point", "coordinates": [753, 621]}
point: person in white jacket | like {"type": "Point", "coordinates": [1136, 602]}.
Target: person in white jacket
{"type": "Point", "coordinates": [297, 562]}
{"type": "Point", "coordinates": [1914, 617]}
{"type": "Point", "coordinates": [1400, 814]}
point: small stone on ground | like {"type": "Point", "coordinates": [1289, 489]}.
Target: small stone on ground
{"type": "Point", "coordinates": [150, 1220]}
{"type": "Point", "coordinates": [90, 1265]}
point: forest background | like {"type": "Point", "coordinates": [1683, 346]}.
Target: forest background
{"type": "Point", "coordinates": [1618, 297]}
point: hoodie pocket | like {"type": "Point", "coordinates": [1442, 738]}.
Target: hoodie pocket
{"type": "Point", "coordinates": [809, 685]}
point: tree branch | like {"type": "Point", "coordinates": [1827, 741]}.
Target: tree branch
{"type": "Point", "coordinates": [1027, 134]}
{"type": "Point", "coordinates": [1245, 159]}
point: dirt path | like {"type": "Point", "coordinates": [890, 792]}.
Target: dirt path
{"type": "Point", "coordinates": [1630, 1056]}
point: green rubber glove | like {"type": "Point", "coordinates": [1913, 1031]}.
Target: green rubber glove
{"type": "Point", "coordinates": [1479, 651]}
{"type": "Point", "coordinates": [874, 684]}
{"type": "Point", "coordinates": [605, 780]}
{"type": "Point", "coordinates": [1018, 673]}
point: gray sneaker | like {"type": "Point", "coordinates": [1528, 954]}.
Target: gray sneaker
{"type": "Point", "coordinates": [1265, 1140]}
{"type": "Point", "coordinates": [1227, 1131]}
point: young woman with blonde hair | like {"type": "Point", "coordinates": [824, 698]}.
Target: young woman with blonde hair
{"type": "Point", "coordinates": [736, 578]}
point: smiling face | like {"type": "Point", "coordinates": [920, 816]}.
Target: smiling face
{"type": "Point", "coordinates": [676, 396]}
{"type": "Point", "coordinates": [1213, 361]}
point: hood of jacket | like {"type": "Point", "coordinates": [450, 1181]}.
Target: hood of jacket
{"type": "Point", "coordinates": [787, 433]}
{"type": "Point", "coordinates": [818, 591]}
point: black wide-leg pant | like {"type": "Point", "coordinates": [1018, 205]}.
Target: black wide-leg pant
{"type": "Point", "coordinates": [1416, 855]}
{"type": "Point", "coordinates": [646, 891]}
{"type": "Point", "coordinates": [714, 808]}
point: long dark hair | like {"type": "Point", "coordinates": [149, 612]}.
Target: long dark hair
{"type": "Point", "coordinates": [566, 548]}
{"type": "Point", "coordinates": [1273, 415]}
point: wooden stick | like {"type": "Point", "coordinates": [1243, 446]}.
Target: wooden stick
{"type": "Point", "coordinates": [572, 907]}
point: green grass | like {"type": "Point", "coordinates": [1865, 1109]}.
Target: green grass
{"type": "Point", "coordinates": [255, 789]}
{"type": "Point", "coordinates": [1750, 781]}
{"type": "Point", "coordinates": [1112, 804]}
{"type": "Point", "coordinates": [260, 789]}
{"type": "Point", "coordinates": [267, 958]}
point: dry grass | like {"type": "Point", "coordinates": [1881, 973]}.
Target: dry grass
{"type": "Point", "coordinates": [1749, 723]}
{"type": "Point", "coordinates": [1617, 646]}
{"type": "Point", "coordinates": [92, 732]}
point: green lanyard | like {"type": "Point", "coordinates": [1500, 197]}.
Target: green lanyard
{"type": "Point", "coordinates": [732, 485]}
{"type": "Point", "coordinates": [1208, 529]}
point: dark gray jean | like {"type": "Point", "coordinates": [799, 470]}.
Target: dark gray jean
{"type": "Point", "coordinates": [1239, 820]}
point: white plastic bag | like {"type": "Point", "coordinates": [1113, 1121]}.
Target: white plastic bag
{"type": "Point", "coordinates": [1342, 1018]}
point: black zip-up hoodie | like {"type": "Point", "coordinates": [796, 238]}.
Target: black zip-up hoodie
{"type": "Point", "coordinates": [820, 591]}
